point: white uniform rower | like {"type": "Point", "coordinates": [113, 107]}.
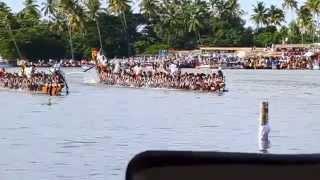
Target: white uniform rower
{"type": "Point", "coordinates": [116, 67]}
{"type": "Point", "coordinates": [173, 68]}
{"type": "Point", "coordinates": [57, 66]}
{"type": "Point", "coordinates": [28, 71]}
{"type": "Point", "coordinates": [137, 69]}
{"type": "Point", "coordinates": [102, 59]}
{"type": "Point", "coordinates": [162, 69]}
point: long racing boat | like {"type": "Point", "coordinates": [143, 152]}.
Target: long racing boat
{"type": "Point", "coordinates": [136, 76]}
{"type": "Point", "coordinates": [53, 83]}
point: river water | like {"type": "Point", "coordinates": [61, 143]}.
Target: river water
{"type": "Point", "coordinates": [96, 130]}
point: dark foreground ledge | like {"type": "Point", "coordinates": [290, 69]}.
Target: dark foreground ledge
{"type": "Point", "coordinates": [187, 165]}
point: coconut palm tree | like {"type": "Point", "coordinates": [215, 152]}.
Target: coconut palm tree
{"type": "Point", "coordinates": [149, 8]}
{"type": "Point", "coordinates": [220, 8]}
{"type": "Point", "coordinates": [48, 8]}
{"type": "Point", "coordinates": [314, 7]}
{"type": "Point", "coordinates": [30, 13]}
{"type": "Point", "coordinates": [275, 16]}
{"type": "Point", "coordinates": [195, 12]}
{"type": "Point", "coordinates": [31, 8]}
{"type": "Point", "coordinates": [305, 21]}
{"type": "Point", "coordinates": [260, 14]}
{"type": "Point", "coordinates": [291, 5]}
{"type": "Point", "coordinates": [119, 7]}
{"type": "Point", "coordinates": [233, 7]}
{"type": "Point", "coordinates": [171, 24]}
{"type": "Point", "coordinates": [59, 25]}
{"type": "Point", "coordinates": [5, 11]}
{"type": "Point", "coordinates": [93, 7]}
{"type": "Point", "coordinates": [6, 18]}
{"type": "Point", "coordinates": [71, 13]}
{"type": "Point", "coordinates": [217, 7]}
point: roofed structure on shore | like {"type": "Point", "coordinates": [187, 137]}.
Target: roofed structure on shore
{"type": "Point", "coordinates": [229, 48]}
{"type": "Point", "coordinates": [271, 54]}
{"type": "Point", "coordinates": [293, 46]}
{"type": "Point", "coordinates": [244, 52]}
{"type": "Point", "coordinates": [194, 52]}
{"type": "Point", "coordinates": [240, 51]}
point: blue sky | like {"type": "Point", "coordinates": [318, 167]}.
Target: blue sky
{"type": "Point", "coordinates": [246, 5]}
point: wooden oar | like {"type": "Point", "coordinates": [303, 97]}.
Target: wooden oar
{"type": "Point", "coordinates": [89, 68]}
{"type": "Point", "coordinates": [60, 73]}
{"type": "Point", "coordinates": [65, 82]}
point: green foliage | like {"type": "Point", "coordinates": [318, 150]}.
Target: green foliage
{"type": "Point", "coordinates": [265, 39]}
{"type": "Point", "coordinates": [141, 46]}
{"type": "Point", "coordinates": [228, 32]}
{"type": "Point", "coordinates": [260, 14]}
{"type": "Point", "coordinates": [155, 48]}
{"type": "Point", "coordinates": [7, 49]}
{"type": "Point", "coordinates": [275, 16]}
{"type": "Point", "coordinates": [72, 27]}
{"type": "Point", "coordinates": [35, 43]}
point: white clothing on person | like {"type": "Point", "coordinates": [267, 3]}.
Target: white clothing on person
{"type": "Point", "coordinates": [264, 131]}
{"type": "Point", "coordinates": [137, 70]}
{"type": "Point", "coordinates": [28, 71]}
{"type": "Point", "coordinates": [102, 59]}
{"type": "Point", "coordinates": [116, 68]}
{"type": "Point", "coordinates": [173, 68]}
{"type": "Point", "coordinates": [263, 137]}
{"type": "Point", "coordinates": [162, 69]}
{"type": "Point", "coordinates": [57, 66]}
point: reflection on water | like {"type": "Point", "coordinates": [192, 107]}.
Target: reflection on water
{"type": "Point", "coordinates": [93, 132]}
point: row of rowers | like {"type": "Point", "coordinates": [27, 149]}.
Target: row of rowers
{"type": "Point", "coordinates": [169, 77]}
{"type": "Point", "coordinates": [41, 82]}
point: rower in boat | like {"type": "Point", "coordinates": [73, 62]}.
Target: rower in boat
{"type": "Point", "coordinates": [2, 71]}
{"type": "Point", "coordinates": [220, 73]}
{"type": "Point", "coordinates": [58, 79]}
{"type": "Point", "coordinates": [133, 74]}
{"type": "Point", "coordinates": [29, 79]}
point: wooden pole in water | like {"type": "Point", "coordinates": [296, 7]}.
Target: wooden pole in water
{"type": "Point", "coordinates": [264, 113]}
{"type": "Point", "coordinates": [264, 128]}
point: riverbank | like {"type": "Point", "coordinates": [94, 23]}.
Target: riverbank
{"type": "Point", "coordinates": [128, 121]}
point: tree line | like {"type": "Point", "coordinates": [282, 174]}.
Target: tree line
{"type": "Point", "coordinates": [71, 28]}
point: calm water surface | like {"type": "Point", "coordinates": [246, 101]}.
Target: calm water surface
{"type": "Point", "coordinates": [93, 132]}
